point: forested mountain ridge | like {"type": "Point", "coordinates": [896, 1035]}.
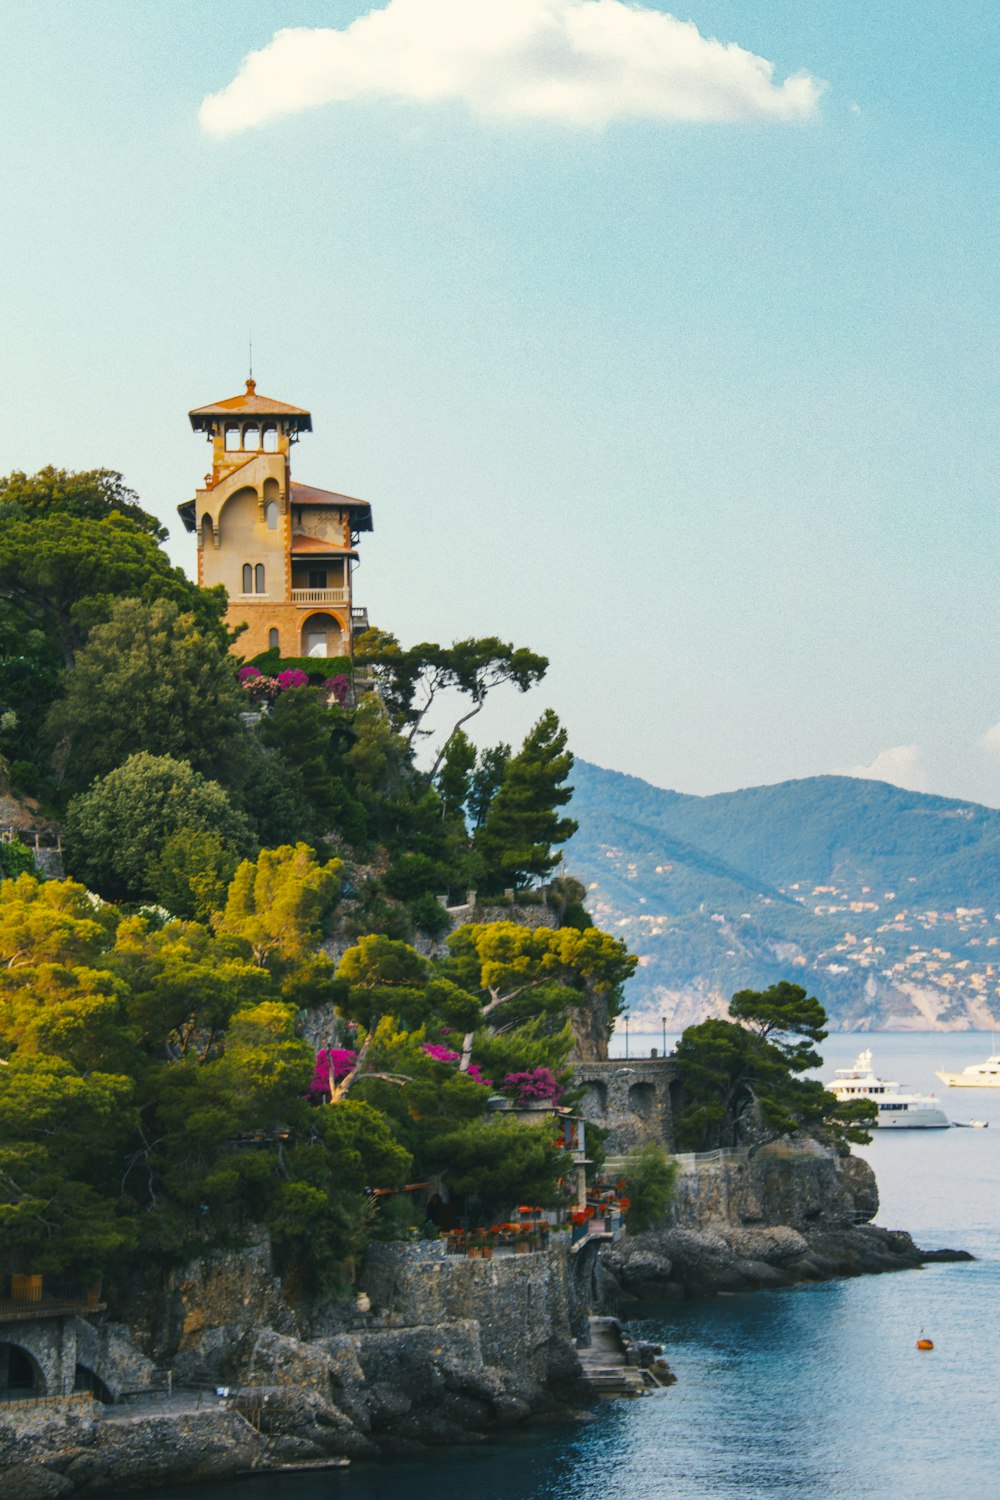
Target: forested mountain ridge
{"type": "Point", "coordinates": [885, 902]}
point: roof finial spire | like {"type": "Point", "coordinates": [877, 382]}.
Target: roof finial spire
{"type": "Point", "coordinates": [251, 383]}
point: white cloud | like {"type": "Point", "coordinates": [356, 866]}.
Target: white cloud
{"type": "Point", "coordinates": [900, 765]}
{"type": "Point", "coordinates": [991, 740]}
{"type": "Point", "coordinates": [579, 62]}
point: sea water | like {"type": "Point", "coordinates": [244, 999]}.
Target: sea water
{"type": "Point", "coordinates": [813, 1391]}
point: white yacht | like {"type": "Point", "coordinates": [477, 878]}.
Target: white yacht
{"type": "Point", "coordinates": [984, 1075]}
{"type": "Point", "coordinates": [898, 1108]}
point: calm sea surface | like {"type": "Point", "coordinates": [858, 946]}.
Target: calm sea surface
{"type": "Point", "coordinates": [813, 1391]}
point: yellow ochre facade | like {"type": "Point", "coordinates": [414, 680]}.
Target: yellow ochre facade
{"type": "Point", "coordinates": [284, 551]}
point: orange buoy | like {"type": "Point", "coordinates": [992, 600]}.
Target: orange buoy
{"type": "Point", "coordinates": [925, 1343]}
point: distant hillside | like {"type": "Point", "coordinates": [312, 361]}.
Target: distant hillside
{"type": "Point", "coordinates": [885, 903]}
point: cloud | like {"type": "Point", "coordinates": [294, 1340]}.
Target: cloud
{"type": "Point", "coordinates": [991, 740]}
{"type": "Point", "coordinates": [900, 765]}
{"type": "Point", "coordinates": [578, 62]}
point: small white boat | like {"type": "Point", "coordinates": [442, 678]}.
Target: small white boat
{"type": "Point", "coordinates": [972, 1124]}
{"type": "Point", "coordinates": [984, 1075]}
{"type": "Point", "coordinates": [898, 1108]}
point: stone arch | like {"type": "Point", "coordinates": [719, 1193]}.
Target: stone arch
{"type": "Point", "coordinates": [20, 1372]}
{"type": "Point", "coordinates": [323, 634]}
{"type": "Point", "coordinates": [86, 1379]}
{"type": "Point", "coordinates": [238, 517]}
{"type": "Point", "coordinates": [207, 530]}
{"type": "Point", "coordinates": [642, 1099]}
{"type": "Point", "coordinates": [594, 1104]}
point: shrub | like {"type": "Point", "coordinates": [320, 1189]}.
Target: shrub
{"type": "Point", "coordinates": [649, 1175]}
{"type": "Point", "coordinates": [317, 668]}
{"type": "Point", "coordinates": [429, 915]}
{"type": "Point", "coordinates": [15, 859]}
{"type": "Point", "coordinates": [116, 831]}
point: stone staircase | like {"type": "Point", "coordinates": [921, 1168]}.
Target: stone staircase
{"type": "Point", "coordinates": [613, 1365]}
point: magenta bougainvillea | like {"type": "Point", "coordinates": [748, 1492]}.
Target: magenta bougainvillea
{"type": "Point", "coordinates": [338, 687]}
{"type": "Point", "coordinates": [261, 689]}
{"type": "Point", "coordinates": [540, 1086]}
{"type": "Point", "coordinates": [444, 1054]}
{"type": "Point", "coordinates": [440, 1054]}
{"type": "Point", "coordinates": [340, 1059]}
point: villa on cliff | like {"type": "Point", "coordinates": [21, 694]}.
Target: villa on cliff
{"type": "Point", "coordinates": [283, 550]}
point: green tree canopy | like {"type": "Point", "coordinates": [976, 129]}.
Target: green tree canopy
{"type": "Point", "coordinates": [741, 1077]}
{"type": "Point", "coordinates": [149, 679]}
{"type": "Point", "coordinates": [116, 831]}
{"type": "Point", "coordinates": [412, 679]}
{"type": "Point", "coordinates": [278, 903]}
{"type": "Point", "coordinates": [522, 826]}
{"type": "Point", "coordinates": [64, 573]}
{"type": "Point", "coordinates": [91, 495]}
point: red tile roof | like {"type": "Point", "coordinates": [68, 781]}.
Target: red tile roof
{"type": "Point", "coordinates": [308, 494]}
{"type": "Point", "coordinates": [313, 544]}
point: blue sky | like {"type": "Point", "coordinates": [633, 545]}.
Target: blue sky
{"type": "Point", "coordinates": [703, 408]}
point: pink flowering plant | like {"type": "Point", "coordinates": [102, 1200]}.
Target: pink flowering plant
{"type": "Point", "coordinates": [539, 1086]}
{"type": "Point", "coordinates": [258, 688]}
{"type": "Point", "coordinates": [293, 678]}
{"type": "Point", "coordinates": [336, 1060]}
{"type": "Point", "coordinates": [445, 1055]}
{"type": "Point", "coordinates": [338, 688]}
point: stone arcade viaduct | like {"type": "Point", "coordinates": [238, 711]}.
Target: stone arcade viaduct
{"type": "Point", "coordinates": [632, 1098]}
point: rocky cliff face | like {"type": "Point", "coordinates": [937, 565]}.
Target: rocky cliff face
{"type": "Point", "coordinates": [789, 1212]}
{"type": "Point", "coordinates": [435, 1350]}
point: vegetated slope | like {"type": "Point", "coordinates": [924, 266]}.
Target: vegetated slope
{"type": "Point", "coordinates": [884, 902]}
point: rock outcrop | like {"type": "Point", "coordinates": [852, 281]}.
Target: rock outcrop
{"type": "Point", "coordinates": [437, 1349]}
{"type": "Point", "coordinates": [788, 1212]}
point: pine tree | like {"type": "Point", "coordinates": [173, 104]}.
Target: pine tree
{"type": "Point", "coordinates": [516, 841]}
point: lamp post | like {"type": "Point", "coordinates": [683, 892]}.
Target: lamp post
{"type": "Point", "coordinates": [663, 1023]}
{"type": "Point", "coordinates": [626, 1036]}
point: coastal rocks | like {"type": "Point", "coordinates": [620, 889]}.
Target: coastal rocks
{"type": "Point", "coordinates": [215, 1310]}
{"type": "Point", "coordinates": [74, 1447]}
{"type": "Point", "coordinates": [792, 1211]}
{"type": "Point", "coordinates": [438, 1350]}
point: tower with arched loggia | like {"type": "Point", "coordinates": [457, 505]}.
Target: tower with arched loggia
{"type": "Point", "coordinates": [283, 550]}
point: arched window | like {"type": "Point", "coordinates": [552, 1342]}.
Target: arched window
{"type": "Point", "coordinates": [273, 643]}
{"type": "Point", "coordinates": [259, 579]}
{"type": "Point", "coordinates": [247, 579]}
{"type": "Point", "coordinates": [232, 439]}
{"type": "Point", "coordinates": [270, 443]}
{"type": "Point", "coordinates": [271, 515]}
{"type": "Point", "coordinates": [251, 438]}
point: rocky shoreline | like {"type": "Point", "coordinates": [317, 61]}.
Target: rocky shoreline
{"type": "Point", "coordinates": [438, 1349]}
{"type": "Point", "coordinates": [790, 1212]}
{"type": "Point", "coordinates": [674, 1263]}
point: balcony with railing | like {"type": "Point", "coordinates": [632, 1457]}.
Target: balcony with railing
{"type": "Point", "coordinates": [320, 596]}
